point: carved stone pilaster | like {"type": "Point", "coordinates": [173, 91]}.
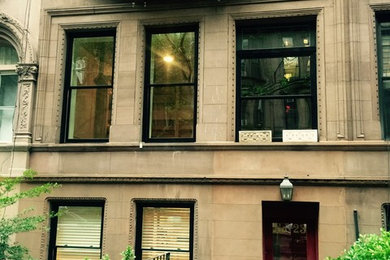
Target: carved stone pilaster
{"type": "Point", "coordinates": [27, 73]}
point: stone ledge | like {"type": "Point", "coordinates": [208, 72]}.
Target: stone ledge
{"type": "Point", "coordinates": [380, 146]}
{"type": "Point", "coordinates": [213, 181]}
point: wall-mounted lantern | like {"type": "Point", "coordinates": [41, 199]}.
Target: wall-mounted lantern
{"type": "Point", "coordinates": [286, 189]}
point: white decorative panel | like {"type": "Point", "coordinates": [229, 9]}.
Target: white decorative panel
{"type": "Point", "coordinates": [310, 135]}
{"type": "Point", "coordinates": [264, 136]}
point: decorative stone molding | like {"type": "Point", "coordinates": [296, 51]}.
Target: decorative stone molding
{"type": "Point", "coordinates": [27, 71]}
{"type": "Point", "coordinates": [18, 36]}
{"type": "Point", "coordinates": [300, 135]}
{"type": "Point", "coordinates": [27, 80]}
{"type": "Point", "coordinates": [264, 136]}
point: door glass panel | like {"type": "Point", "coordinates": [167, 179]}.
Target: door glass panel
{"type": "Point", "coordinates": [289, 241]}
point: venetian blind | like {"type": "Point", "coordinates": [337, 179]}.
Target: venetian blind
{"type": "Point", "coordinates": [166, 230]}
{"type": "Point", "coordinates": [79, 227]}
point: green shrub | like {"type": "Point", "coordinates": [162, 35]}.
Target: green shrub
{"type": "Point", "coordinates": [128, 254]}
{"type": "Point", "coordinates": [368, 247]}
{"type": "Point", "coordinates": [24, 221]}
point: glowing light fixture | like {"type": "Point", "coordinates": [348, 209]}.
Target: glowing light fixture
{"type": "Point", "coordinates": [288, 76]}
{"type": "Point", "coordinates": [168, 58]}
{"type": "Point", "coordinates": [287, 42]}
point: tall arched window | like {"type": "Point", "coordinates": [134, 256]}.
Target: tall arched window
{"type": "Point", "coordinates": [8, 88]}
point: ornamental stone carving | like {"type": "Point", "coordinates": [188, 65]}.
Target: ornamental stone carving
{"type": "Point", "coordinates": [27, 71]}
{"type": "Point", "coordinates": [264, 136]}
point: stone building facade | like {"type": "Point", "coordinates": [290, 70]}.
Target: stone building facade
{"type": "Point", "coordinates": [171, 124]}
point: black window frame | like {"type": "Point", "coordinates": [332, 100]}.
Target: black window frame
{"type": "Point", "coordinates": [54, 206]}
{"type": "Point", "coordinates": [386, 216]}
{"type": "Point", "coordinates": [382, 17]}
{"type": "Point", "coordinates": [149, 30]}
{"type": "Point", "coordinates": [70, 36]}
{"type": "Point", "coordinates": [167, 204]}
{"type": "Point", "coordinates": [275, 24]}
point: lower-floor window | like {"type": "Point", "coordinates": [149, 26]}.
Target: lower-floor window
{"type": "Point", "coordinates": [164, 231]}
{"type": "Point", "coordinates": [76, 233]}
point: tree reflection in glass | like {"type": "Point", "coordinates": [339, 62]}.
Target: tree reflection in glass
{"type": "Point", "coordinates": [172, 85]}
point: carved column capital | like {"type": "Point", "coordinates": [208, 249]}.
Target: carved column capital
{"type": "Point", "coordinates": [27, 71]}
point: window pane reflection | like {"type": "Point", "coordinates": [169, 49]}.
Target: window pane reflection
{"type": "Point", "coordinates": [172, 112]}
{"type": "Point", "coordinates": [276, 114]}
{"type": "Point", "coordinates": [289, 241]}
{"type": "Point", "coordinates": [92, 61]}
{"type": "Point", "coordinates": [275, 76]}
{"type": "Point", "coordinates": [267, 38]}
{"type": "Point", "coordinates": [8, 90]}
{"type": "Point", "coordinates": [172, 58]}
{"type": "Point", "coordinates": [8, 54]}
{"type": "Point", "coordinates": [90, 113]}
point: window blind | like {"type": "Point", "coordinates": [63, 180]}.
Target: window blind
{"type": "Point", "coordinates": [166, 229]}
{"type": "Point", "coordinates": [79, 232]}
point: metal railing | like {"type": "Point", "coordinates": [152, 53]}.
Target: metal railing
{"type": "Point", "coordinates": [166, 256]}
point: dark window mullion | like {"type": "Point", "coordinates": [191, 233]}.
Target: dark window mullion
{"type": "Point", "coordinates": [276, 53]}
{"type": "Point", "coordinates": [90, 87]}
{"type": "Point", "coordinates": [276, 96]}
{"type": "Point", "coordinates": [170, 85]}
{"type": "Point", "coordinates": [81, 247]}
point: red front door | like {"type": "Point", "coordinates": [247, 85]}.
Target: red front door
{"type": "Point", "coordinates": [290, 230]}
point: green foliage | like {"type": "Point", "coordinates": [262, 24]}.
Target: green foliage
{"type": "Point", "coordinates": [368, 247]}
{"type": "Point", "coordinates": [128, 254]}
{"type": "Point", "coordinates": [24, 221]}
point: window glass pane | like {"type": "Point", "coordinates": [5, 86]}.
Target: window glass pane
{"type": "Point", "coordinates": [275, 76]}
{"type": "Point", "coordinates": [386, 104]}
{"type": "Point", "coordinates": [386, 53]}
{"type": "Point", "coordinates": [90, 113]}
{"type": "Point", "coordinates": [172, 112]}
{"type": "Point", "coordinates": [271, 37]}
{"type": "Point", "coordinates": [276, 114]}
{"type": "Point", "coordinates": [172, 58]}
{"type": "Point", "coordinates": [8, 90]}
{"type": "Point", "coordinates": [77, 253]}
{"type": "Point", "coordinates": [386, 209]}
{"type": "Point", "coordinates": [8, 54]}
{"type": "Point", "coordinates": [92, 61]}
{"type": "Point", "coordinates": [79, 227]}
{"type": "Point", "coordinates": [166, 230]}
{"type": "Point", "coordinates": [289, 241]}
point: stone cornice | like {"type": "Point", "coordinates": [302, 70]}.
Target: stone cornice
{"type": "Point", "coordinates": [110, 147]}
{"type": "Point", "coordinates": [139, 6]}
{"type": "Point", "coordinates": [212, 181]}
